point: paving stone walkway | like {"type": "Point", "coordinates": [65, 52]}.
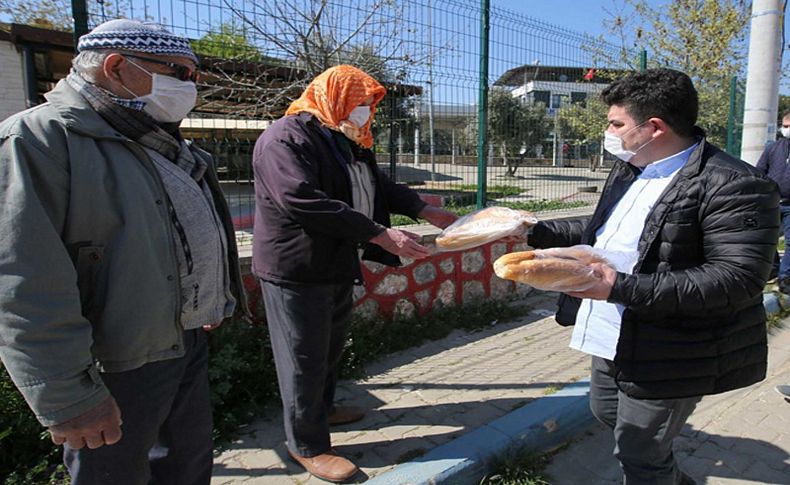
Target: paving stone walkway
{"type": "Point", "coordinates": [740, 437]}
{"type": "Point", "coordinates": [423, 397]}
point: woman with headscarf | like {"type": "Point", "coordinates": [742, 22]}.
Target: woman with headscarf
{"type": "Point", "coordinates": [321, 202]}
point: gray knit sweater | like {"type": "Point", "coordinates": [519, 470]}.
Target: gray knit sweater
{"type": "Point", "coordinates": [201, 243]}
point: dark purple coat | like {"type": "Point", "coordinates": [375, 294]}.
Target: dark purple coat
{"type": "Point", "coordinates": [775, 162]}
{"type": "Point", "coordinates": [305, 228]}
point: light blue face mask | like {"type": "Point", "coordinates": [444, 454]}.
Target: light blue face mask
{"type": "Point", "coordinates": [359, 115]}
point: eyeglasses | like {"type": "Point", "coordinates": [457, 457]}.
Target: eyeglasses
{"type": "Point", "coordinates": [180, 72]}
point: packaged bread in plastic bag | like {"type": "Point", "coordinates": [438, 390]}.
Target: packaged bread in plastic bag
{"type": "Point", "coordinates": [484, 226]}
{"type": "Point", "coordinates": [561, 269]}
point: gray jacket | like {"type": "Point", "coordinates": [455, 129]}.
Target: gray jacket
{"type": "Point", "coordinates": [88, 270]}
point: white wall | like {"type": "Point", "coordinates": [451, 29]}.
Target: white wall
{"type": "Point", "coordinates": [12, 81]}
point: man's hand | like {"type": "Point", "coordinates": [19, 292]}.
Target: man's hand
{"type": "Point", "coordinates": [437, 216]}
{"type": "Point", "coordinates": [603, 288]}
{"type": "Point", "coordinates": [211, 326]}
{"type": "Point", "coordinates": [97, 427]}
{"type": "Point", "coordinates": [402, 243]}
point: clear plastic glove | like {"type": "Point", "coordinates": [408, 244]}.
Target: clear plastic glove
{"type": "Point", "coordinates": [401, 243]}
{"type": "Point", "coordinates": [98, 427]}
{"type": "Point", "coordinates": [603, 287]}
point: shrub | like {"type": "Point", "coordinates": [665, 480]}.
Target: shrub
{"type": "Point", "coordinates": [27, 455]}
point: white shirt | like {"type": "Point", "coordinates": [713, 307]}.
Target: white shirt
{"type": "Point", "coordinates": [597, 327]}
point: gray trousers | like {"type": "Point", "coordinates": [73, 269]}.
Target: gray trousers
{"type": "Point", "coordinates": [643, 428]}
{"type": "Point", "coordinates": [307, 327]}
{"type": "Point", "coordinates": [167, 425]}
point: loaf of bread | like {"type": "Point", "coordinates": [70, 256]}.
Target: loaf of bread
{"type": "Point", "coordinates": [484, 226]}
{"type": "Point", "coordinates": [546, 273]}
{"type": "Point", "coordinates": [581, 253]}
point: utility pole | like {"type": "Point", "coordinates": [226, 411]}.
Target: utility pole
{"type": "Point", "coordinates": [762, 79]}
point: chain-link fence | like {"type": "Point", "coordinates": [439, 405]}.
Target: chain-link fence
{"type": "Point", "coordinates": [544, 123]}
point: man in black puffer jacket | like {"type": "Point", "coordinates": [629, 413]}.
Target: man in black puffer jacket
{"type": "Point", "coordinates": [686, 319]}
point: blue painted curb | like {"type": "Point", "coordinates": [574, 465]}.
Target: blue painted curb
{"type": "Point", "coordinates": [539, 426]}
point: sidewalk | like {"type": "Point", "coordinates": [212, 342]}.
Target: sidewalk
{"type": "Point", "coordinates": [424, 397]}
{"type": "Point", "coordinates": [458, 400]}
{"type": "Point", "coordinates": [739, 437]}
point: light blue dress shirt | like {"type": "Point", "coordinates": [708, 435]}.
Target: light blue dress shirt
{"type": "Point", "coordinates": [597, 327]}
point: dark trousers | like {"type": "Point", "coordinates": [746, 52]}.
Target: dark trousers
{"type": "Point", "coordinates": [784, 265]}
{"type": "Point", "coordinates": [307, 327]}
{"type": "Point", "coordinates": [643, 428]}
{"type": "Point", "coordinates": [166, 428]}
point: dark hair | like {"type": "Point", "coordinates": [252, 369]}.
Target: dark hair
{"type": "Point", "coordinates": [659, 93]}
{"type": "Point", "coordinates": [786, 114]}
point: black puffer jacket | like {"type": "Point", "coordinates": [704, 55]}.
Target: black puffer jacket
{"type": "Point", "coordinates": [694, 323]}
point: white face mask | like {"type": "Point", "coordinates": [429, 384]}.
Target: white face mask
{"type": "Point", "coordinates": [360, 115]}
{"type": "Point", "coordinates": [785, 131]}
{"type": "Point", "coordinates": [170, 100]}
{"type": "Point", "coordinates": [614, 144]}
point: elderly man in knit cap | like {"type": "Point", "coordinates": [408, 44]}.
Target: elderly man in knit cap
{"type": "Point", "coordinates": [117, 254]}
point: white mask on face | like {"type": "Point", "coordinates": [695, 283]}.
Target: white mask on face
{"type": "Point", "coordinates": [360, 115]}
{"type": "Point", "coordinates": [170, 100]}
{"type": "Point", "coordinates": [785, 131]}
{"type": "Point", "coordinates": [614, 144]}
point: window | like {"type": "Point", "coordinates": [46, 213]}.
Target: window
{"type": "Point", "coordinates": [541, 97]}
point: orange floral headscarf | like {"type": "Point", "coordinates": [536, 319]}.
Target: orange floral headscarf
{"type": "Point", "coordinates": [334, 94]}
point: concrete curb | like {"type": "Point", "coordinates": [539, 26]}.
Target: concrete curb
{"type": "Point", "coordinates": [539, 426]}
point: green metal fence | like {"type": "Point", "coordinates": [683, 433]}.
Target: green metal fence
{"type": "Point", "coordinates": [544, 124]}
{"type": "Point", "coordinates": [484, 105]}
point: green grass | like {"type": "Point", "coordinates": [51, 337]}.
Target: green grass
{"type": "Point", "coordinates": [520, 467]}
{"type": "Point", "coordinates": [494, 191]}
{"type": "Point", "coordinates": [775, 321]}
{"type": "Point", "coordinates": [532, 205]}
{"type": "Point", "coordinates": [551, 390]}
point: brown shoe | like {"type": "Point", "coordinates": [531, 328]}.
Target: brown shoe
{"type": "Point", "coordinates": [327, 466]}
{"type": "Point", "coordinates": [345, 415]}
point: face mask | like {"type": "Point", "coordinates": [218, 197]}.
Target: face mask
{"type": "Point", "coordinates": [170, 100]}
{"type": "Point", "coordinates": [785, 131]}
{"type": "Point", "coordinates": [360, 115]}
{"type": "Point", "coordinates": [614, 144]}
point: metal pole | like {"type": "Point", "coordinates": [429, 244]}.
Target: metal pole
{"type": "Point", "coordinates": [452, 156]}
{"type": "Point", "coordinates": [392, 95]}
{"type": "Point", "coordinates": [430, 93]}
{"type": "Point", "coordinates": [642, 60]}
{"type": "Point", "coordinates": [731, 117]}
{"type": "Point", "coordinates": [79, 17]}
{"type": "Point", "coordinates": [762, 79]}
{"type": "Point", "coordinates": [31, 87]}
{"type": "Point", "coordinates": [482, 103]}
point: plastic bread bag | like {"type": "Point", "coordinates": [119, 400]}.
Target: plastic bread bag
{"type": "Point", "coordinates": [565, 270]}
{"type": "Point", "coordinates": [484, 226]}
{"type": "Point", "coordinates": [622, 261]}
{"type": "Point", "coordinates": [545, 272]}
